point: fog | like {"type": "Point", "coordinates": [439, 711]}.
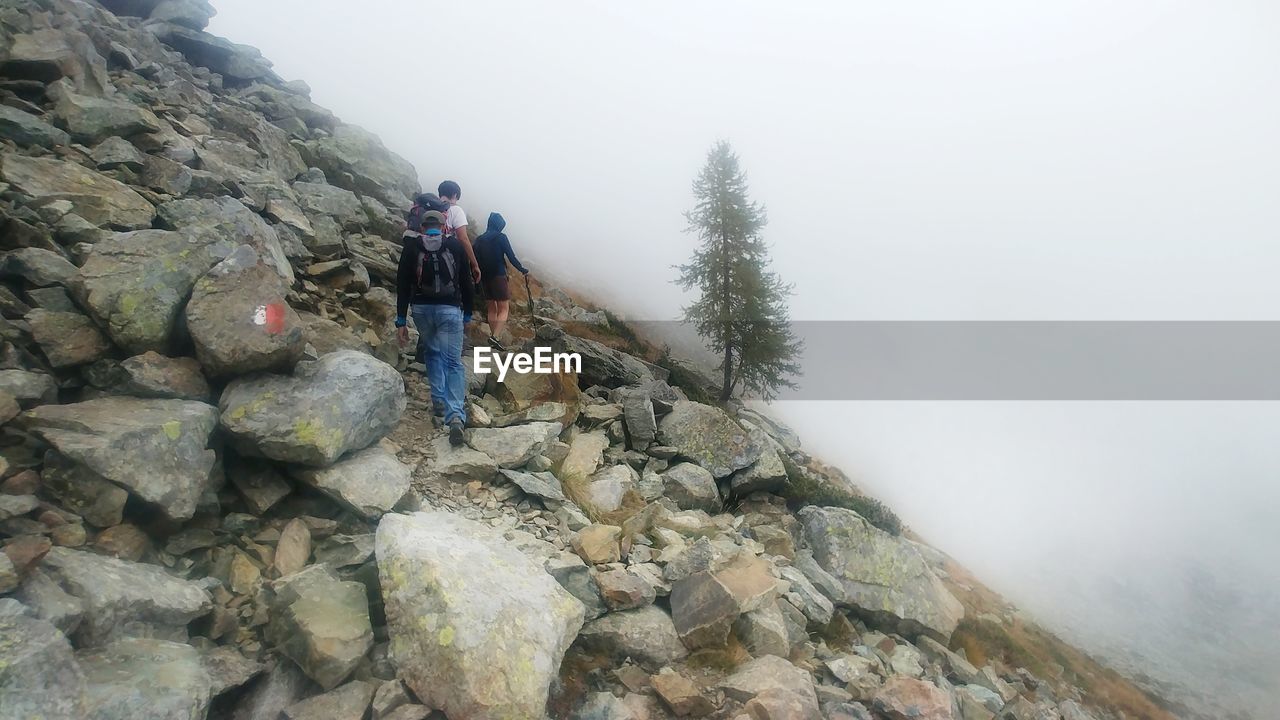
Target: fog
{"type": "Point", "coordinates": [945, 161]}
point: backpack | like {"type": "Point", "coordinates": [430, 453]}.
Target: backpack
{"type": "Point", "coordinates": [437, 271]}
{"type": "Point", "coordinates": [421, 204]}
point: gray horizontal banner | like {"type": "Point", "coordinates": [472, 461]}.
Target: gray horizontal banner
{"type": "Point", "coordinates": [1027, 360]}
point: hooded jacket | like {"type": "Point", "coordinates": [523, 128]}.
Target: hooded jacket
{"type": "Point", "coordinates": [493, 249]}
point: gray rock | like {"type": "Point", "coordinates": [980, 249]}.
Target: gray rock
{"type": "Point", "coordinates": [39, 675]}
{"type": "Point", "coordinates": [356, 159]}
{"type": "Point", "coordinates": [27, 130]}
{"type": "Point", "coordinates": [707, 436]}
{"type": "Point", "coordinates": [703, 610]}
{"type": "Point", "coordinates": [152, 375]}
{"type": "Point", "coordinates": [52, 298]}
{"type": "Point", "coordinates": [226, 221]}
{"type": "Point", "coordinates": [348, 702]}
{"type": "Point", "coordinates": [82, 491]}
{"type": "Point", "coordinates": [322, 624]}
{"type": "Point", "coordinates": [126, 599]}
{"type": "Point", "coordinates": [458, 464]}
{"type": "Point", "coordinates": [602, 706]}
{"type": "Point", "coordinates": [647, 636]}
{"type": "Point", "coordinates": [447, 582]}
{"type": "Point", "coordinates": [542, 485]}
{"type": "Point", "coordinates": [642, 427]}
{"type": "Point", "coordinates": [49, 54]}
{"type": "Point", "coordinates": [334, 202]}
{"type": "Point", "coordinates": [48, 601]}
{"type": "Point", "coordinates": [978, 703]}
{"type": "Point", "coordinates": [228, 669]}
{"type": "Point", "coordinates": [236, 62]}
{"type": "Point", "coordinates": [259, 483]}
{"type": "Point", "coordinates": [512, 447]}
{"type": "Point", "coordinates": [29, 388]}
{"type": "Point", "coordinates": [764, 632]}
{"type": "Point", "coordinates": [369, 482]}
{"type": "Point", "coordinates": [768, 474]}
{"type": "Point", "coordinates": [136, 284]}
{"type": "Point", "coordinates": [882, 576]}
{"type": "Point", "coordinates": [905, 698]}
{"type": "Point", "coordinates": [284, 685]}
{"type": "Point", "coordinates": [771, 675]}
{"type": "Point", "coordinates": [90, 120]}
{"type": "Point", "coordinates": [67, 339]}
{"type": "Point", "coordinates": [606, 490]}
{"type": "Point", "coordinates": [194, 14]}
{"type": "Point", "coordinates": [691, 488]}
{"type": "Point", "coordinates": [574, 576]}
{"type": "Point", "coordinates": [17, 505]}
{"type": "Point", "coordinates": [145, 679]}
{"type": "Point", "coordinates": [166, 176]}
{"type": "Point", "coordinates": [623, 590]}
{"type": "Point", "coordinates": [157, 449]}
{"type": "Point", "coordinates": [239, 320]}
{"type": "Point", "coordinates": [116, 152]}
{"type": "Point", "coordinates": [1072, 710]}
{"type": "Point", "coordinates": [36, 266]}
{"type": "Point", "coordinates": [344, 401]}
{"type": "Point", "coordinates": [602, 365]}
{"type": "Point", "coordinates": [817, 607]}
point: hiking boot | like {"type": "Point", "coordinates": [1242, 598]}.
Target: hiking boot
{"type": "Point", "coordinates": [456, 433]}
{"type": "Point", "coordinates": [493, 343]}
{"type": "Point", "coordinates": [437, 409]}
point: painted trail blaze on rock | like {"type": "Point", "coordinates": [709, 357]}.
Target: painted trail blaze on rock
{"type": "Point", "coordinates": [477, 629]}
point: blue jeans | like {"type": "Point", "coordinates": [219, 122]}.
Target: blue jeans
{"type": "Point", "coordinates": [440, 332]}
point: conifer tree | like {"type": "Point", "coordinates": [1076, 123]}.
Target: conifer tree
{"type": "Point", "coordinates": [741, 311]}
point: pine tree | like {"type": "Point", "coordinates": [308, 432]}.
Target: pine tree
{"type": "Point", "coordinates": [742, 309]}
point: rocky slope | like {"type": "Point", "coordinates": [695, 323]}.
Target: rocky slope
{"type": "Point", "coordinates": [222, 495]}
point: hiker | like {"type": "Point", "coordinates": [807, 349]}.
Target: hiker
{"type": "Point", "coordinates": [456, 222]}
{"type": "Point", "coordinates": [493, 249]}
{"type": "Point", "coordinates": [432, 283]}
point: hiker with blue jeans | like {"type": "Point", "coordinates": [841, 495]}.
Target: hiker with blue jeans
{"type": "Point", "coordinates": [434, 280]}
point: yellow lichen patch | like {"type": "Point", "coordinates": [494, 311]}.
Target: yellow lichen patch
{"type": "Point", "coordinates": [172, 429]}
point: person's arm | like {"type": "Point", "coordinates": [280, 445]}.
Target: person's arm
{"type": "Point", "coordinates": [465, 241]}
{"type": "Point", "coordinates": [404, 289]}
{"type": "Point", "coordinates": [506, 249]}
{"type": "Point", "coordinates": [467, 291]}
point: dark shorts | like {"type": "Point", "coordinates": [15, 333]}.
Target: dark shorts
{"type": "Point", "coordinates": [496, 287]}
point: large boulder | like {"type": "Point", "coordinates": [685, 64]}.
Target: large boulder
{"type": "Point", "coordinates": [239, 320]}
{"type": "Point", "coordinates": [606, 490]}
{"type": "Point", "coordinates": [28, 130]}
{"type": "Point", "coordinates": [691, 487]}
{"type": "Point", "coordinates": [709, 437]}
{"type": "Point", "coordinates": [36, 267]}
{"type": "Point", "coordinates": [102, 200]}
{"type": "Point", "coordinates": [344, 401]}
{"type": "Point", "coordinates": [323, 199]}
{"type": "Point", "coordinates": [29, 388]}
{"type": "Point", "coordinates": [226, 219]}
{"type": "Point", "coordinates": [145, 679]}
{"type": "Point", "coordinates": [602, 365]}
{"type": "Point", "coordinates": [90, 120]}
{"type": "Point", "coordinates": [50, 54]}
{"type": "Point", "coordinates": [882, 576]}
{"type": "Point", "coordinates": [447, 583]}
{"type": "Point", "coordinates": [237, 63]}
{"type": "Point", "coordinates": [157, 449]}
{"type": "Point", "coordinates": [126, 599]}
{"type": "Point", "coordinates": [458, 464]}
{"type": "Point", "coordinates": [39, 675]}
{"type": "Point", "coordinates": [369, 482]}
{"type": "Point", "coordinates": [646, 635]}
{"type": "Point", "coordinates": [136, 284]}
{"type": "Point", "coordinates": [153, 375]}
{"type": "Point", "coordinates": [322, 624]}
{"type": "Point", "coordinates": [356, 159]}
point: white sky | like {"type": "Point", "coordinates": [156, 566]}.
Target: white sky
{"type": "Point", "coordinates": [925, 160]}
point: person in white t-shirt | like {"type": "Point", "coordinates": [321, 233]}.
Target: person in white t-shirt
{"type": "Point", "coordinates": [456, 222]}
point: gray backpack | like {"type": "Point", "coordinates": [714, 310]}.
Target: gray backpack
{"type": "Point", "coordinates": [437, 272]}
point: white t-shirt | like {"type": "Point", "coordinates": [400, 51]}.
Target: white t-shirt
{"type": "Point", "coordinates": [456, 218]}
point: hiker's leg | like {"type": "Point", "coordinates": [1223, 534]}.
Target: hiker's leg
{"type": "Point", "coordinates": [449, 322]}
{"type": "Point", "coordinates": [501, 310]}
{"type": "Point", "coordinates": [425, 320]}
{"type": "Point", "coordinates": [491, 314]}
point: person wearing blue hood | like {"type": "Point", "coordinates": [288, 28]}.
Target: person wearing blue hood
{"type": "Point", "coordinates": [493, 249]}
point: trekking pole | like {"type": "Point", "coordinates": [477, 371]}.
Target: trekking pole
{"type": "Point", "coordinates": [528, 296]}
